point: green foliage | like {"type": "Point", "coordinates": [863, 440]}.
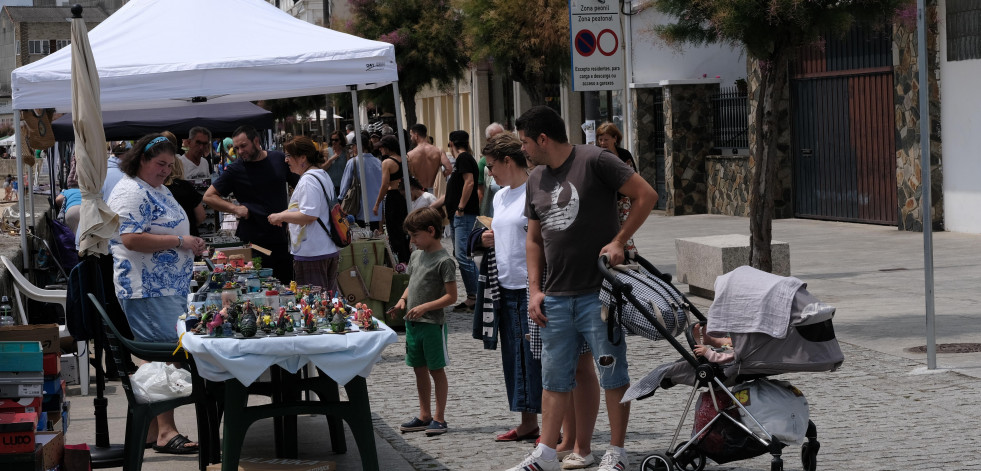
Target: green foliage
{"type": "Point", "coordinates": [427, 40]}
{"type": "Point", "coordinates": [763, 26]}
{"type": "Point", "coordinates": [528, 40]}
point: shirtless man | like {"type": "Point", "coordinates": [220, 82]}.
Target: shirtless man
{"type": "Point", "coordinates": [426, 159]}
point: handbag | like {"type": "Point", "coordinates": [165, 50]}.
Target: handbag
{"type": "Point", "coordinates": [341, 233]}
{"type": "Point", "coordinates": [659, 298]}
{"type": "Point", "coordinates": [349, 203]}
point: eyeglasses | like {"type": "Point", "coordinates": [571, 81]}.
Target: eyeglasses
{"type": "Point", "coordinates": [202, 143]}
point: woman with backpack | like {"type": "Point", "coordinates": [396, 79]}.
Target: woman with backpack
{"type": "Point", "coordinates": [315, 256]}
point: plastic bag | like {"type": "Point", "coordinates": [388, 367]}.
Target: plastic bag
{"type": "Point", "coordinates": [158, 381]}
{"type": "Point", "coordinates": [777, 405]}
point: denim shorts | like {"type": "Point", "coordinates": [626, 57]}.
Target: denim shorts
{"type": "Point", "coordinates": [570, 320]}
{"type": "Point", "coordinates": [154, 319]}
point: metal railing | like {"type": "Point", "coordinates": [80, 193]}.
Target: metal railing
{"type": "Point", "coordinates": [730, 119]}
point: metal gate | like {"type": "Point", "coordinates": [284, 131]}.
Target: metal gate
{"type": "Point", "coordinates": [844, 143]}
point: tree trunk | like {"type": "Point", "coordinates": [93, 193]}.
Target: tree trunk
{"type": "Point", "coordinates": [773, 80]}
{"type": "Point", "coordinates": [409, 102]}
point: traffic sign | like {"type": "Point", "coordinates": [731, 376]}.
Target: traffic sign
{"type": "Point", "coordinates": [595, 27]}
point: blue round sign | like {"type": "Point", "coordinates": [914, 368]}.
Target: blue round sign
{"type": "Point", "coordinates": [585, 43]}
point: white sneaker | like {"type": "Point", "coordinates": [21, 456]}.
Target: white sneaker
{"type": "Point", "coordinates": [574, 461]}
{"type": "Point", "coordinates": [534, 462]}
{"type": "Point", "coordinates": [613, 461]}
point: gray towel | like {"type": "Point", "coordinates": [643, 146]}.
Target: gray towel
{"type": "Point", "coordinates": [748, 300]}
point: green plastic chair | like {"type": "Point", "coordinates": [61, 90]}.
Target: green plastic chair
{"type": "Point", "coordinates": [139, 415]}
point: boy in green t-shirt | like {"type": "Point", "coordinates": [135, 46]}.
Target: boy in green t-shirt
{"type": "Point", "coordinates": [432, 287]}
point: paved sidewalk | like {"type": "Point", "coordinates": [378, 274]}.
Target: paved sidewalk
{"type": "Point", "coordinates": [881, 411]}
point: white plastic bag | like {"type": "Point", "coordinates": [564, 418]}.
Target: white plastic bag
{"type": "Point", "coordinates": [158, 381]}
{"type": "Point", "coordinates": [777, 405]}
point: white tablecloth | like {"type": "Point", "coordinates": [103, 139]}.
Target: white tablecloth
{"type": "Point", "coordinates": [342, 357]}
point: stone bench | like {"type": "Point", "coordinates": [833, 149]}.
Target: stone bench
{"type": "Point", "coordinates": [702, 259]}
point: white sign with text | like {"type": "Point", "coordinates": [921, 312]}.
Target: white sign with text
{"type": "Point", "coordinates": [597, 45]}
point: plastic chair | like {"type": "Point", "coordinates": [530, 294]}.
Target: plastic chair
{"type": "Point", "coordinates": [23, 287]}
{"type": "Point", "coordinates": [139, 415]}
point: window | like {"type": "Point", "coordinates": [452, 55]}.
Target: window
{"type": "Point", "coordinates": [61, 43]}
{"type": "Point", "coordinates": [963, 30]}
{"type": "Point", "coordinates": [39, 47]}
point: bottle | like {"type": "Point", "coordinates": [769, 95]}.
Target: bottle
{"type": "Point", "coordinates": [6, 312]}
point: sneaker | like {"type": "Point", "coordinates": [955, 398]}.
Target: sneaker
{"type": "Point", "coordinates": [436, 428]}
{"type": "Point", "coordinates": [574, 461]}
{"type": "Point", "coordinates": [415, 425]}
{"type": "Point", "coordinates": [534, 462]}
{"type": "Point", "coordinates": [613, 461]}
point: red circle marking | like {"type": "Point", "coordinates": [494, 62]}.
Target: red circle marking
{"type": "Point", "coordinates": [599, 42]}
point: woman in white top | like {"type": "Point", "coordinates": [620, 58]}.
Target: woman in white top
{"type": "Point", "coordinates": [153, 257]}
{"type": "Point", "coordinates": [315, 256]}
{"type": "Point", "coordinates": [522, 372]}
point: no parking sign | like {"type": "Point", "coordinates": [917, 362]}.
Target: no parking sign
{"type": "Point", "coordinates": [597, 54]}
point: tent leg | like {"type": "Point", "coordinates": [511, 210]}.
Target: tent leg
{"type": "Point", "coordinates": [20, 187]}
{"type": "Point", "coordinates": [402, 152]}
{"type": "Point", "coordinates": [365, 203]}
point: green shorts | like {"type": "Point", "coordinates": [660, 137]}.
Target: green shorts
{"type": "Point", "coordinates": [425, 345]}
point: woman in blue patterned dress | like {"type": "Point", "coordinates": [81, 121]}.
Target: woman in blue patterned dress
{"type": "Point", "coordinates": [153, 257]}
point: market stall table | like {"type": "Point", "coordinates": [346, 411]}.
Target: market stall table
{"type": "Point", "coordinates": [344, 358]}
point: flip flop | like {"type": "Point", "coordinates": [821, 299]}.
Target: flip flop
{"type": "Point", "coordinates": [148, 445]}
{"type": "Point", "coordinates": [176, 446]}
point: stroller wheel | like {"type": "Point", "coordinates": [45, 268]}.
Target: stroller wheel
{"type": "Point", "coordinates": [808, 455]}
{"type": "Point", "coordinates": [688, 460]}
{"type": "Point", "coordinates": [656, 462]}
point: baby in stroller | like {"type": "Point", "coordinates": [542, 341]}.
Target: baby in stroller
{"type": "Point", "coordinates": [759, 325]}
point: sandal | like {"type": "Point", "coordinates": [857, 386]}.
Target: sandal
{"type": "Point", "coordinates": [177, 446]}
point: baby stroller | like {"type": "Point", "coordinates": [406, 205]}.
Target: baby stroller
{"type": "Point", "coordinates": [776, 327]}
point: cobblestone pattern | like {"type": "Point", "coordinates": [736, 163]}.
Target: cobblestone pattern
{"type": "Point", "coordinates": [728, 184]}
{"type": "Point", "coordinates": [872, 414]}
{"type": "Point", "coordinates": [907, 104]}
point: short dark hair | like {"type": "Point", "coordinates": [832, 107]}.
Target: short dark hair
{"type": "Point", "coordinates": [389, 142]}
{"type": "Point", "coordinates": [422, 219]}
{"type": "Point", "coordinates": [198, 130]}
{"type": "Point", "coordinates": [419, 129]}
{"type": "Point", "coordinates": [505, 145]}
{"type": "Point", "coordinates": [303, 145]}
{"type": "Point", "coordinates": [250, 132]}
{"type": "Point", "coordinates": [542, 120]}
{"type": "Point", "coordinates": [130, 162]}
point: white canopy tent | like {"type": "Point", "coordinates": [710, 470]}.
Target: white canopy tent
{"type": "Point", "coordinates": [153, 53]}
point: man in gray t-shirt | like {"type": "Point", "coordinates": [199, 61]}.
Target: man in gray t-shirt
{"type": "Point", "coordinates": [572, 221]}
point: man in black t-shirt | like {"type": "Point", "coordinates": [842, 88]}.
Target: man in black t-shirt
{"type": "Point", "coordinates": [258, 181]}
{"type": "Point", "coordinates": [463, 206]}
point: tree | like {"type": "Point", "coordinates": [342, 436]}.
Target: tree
{"type": "Point", "coordinates": [528, 40]}
{"type": "Point", "coordinates": [427, 40]}
{"type": "Point", "coordinates": [771, 31]}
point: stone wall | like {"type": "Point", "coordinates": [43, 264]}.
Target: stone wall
{"type": "Point", "coordinates": [906, 83]}
{"type": "Point", "coordinates": [687, 141]}
{"type": "Point", "coordinates": [783, 201]}
{"type": "Point", "coordinates": [644, 128]}
{"type": "Point", "coordinates": [728, 184]}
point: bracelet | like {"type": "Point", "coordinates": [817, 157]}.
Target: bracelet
{"type": "Point", "coordinates": [180, 241]}
{"type": "Point", "coordinates": [403, 299]}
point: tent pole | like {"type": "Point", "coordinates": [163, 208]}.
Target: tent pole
{"type": "Point", "coordinates": [402, 152]}
{"type": "Point", "coordinates": [357, 138]}
{"type": "Point", "coordinates": [20, 187]}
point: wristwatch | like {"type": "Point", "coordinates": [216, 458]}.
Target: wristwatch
{"type": "Point", "coordinates": [459, 210]}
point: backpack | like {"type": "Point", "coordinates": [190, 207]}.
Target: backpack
{"type": "Point", "coordinates": [339, 226]}
{"type": "Point", "coordinates": [80, 315]}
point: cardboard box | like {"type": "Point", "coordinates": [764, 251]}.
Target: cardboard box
{"type": "Point", "coordinates": [17, 432]}
{"type": "Point", "coordinates": [381, 283]}
{"type": "Point", "coordinates": [245, 252]}
{"type": "Point", "coordinates": [69, 368]}
{"type": "Point", "coordinates": [52, 364]}
{"type": "Point", "coordinates": [21, 356]}
{"type": "Point", "coordinates": [47, 334]}
{"type": "Point", "coordinates": [279, 464]}
{"type": "Point", "coordinates": [20, 404]}
{"type": "Point", "coordinates": [31, 461]}
{"type": "Point", "coordinates": [52, 447]}
{"type": "Point", "coordinates": [21, 383]}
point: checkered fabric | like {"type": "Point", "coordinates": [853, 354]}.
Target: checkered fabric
{"type": "Point", "coordinates": [659, 300]}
